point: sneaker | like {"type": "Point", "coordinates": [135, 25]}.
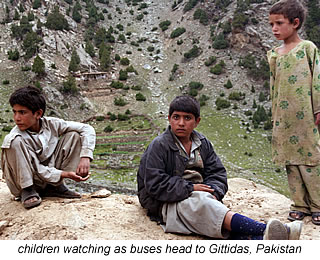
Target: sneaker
{"type": "Point", "coordinates": [275, 230]}
{"type": "Point", "coordinates": [294, 228]}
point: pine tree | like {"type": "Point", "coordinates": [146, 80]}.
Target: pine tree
{"type": "Point", "coordinates": [38, 66]}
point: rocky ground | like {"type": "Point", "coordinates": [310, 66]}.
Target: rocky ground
{"type": "Point", "coordinates": [120, 217]}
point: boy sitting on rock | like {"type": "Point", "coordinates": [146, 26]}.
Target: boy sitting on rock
{"type": "Point", "coordinates": [40, 152]}
{"type": "Point", "coordinates": [181, 182]}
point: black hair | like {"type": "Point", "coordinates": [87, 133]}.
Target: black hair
{"type": "Point", "coordinates": [290, 9]}
{"type": "Point", "coordinates": [29, 97]}
{"type": "Point", "coordinates": [185, 104]}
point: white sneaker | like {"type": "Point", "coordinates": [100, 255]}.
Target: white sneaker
{"type": "Point", "coordinates": [275, 230]}
{"type": "Point", "coordinates": [294, 229]}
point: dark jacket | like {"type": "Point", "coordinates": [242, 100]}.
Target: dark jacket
{"type": "Point", "coordinates": [161, 168]}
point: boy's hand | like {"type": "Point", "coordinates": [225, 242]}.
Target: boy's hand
{"type": "Point", "coordinates": [74, 176]}
{"type": "Point", "coordinates": [203, 187]}
{"type": "Point", "coordinates": [83, 167]}
{"type": "Point", "coordinates": [317, 119]}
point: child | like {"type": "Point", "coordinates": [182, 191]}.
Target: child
{"type": "Point", "coordinates": [295, 95]}
{"type": "Point", "coordinates": [40, 152]}
{"type": "Point", "coordinates": [181, 182]}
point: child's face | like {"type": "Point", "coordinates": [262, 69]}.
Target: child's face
{"type": "Point", "coordinates": [182, 124]}
{"type": "Point", "coordinates": [282, 29]}
{"type": "Point", "coordinates": [25, 119]}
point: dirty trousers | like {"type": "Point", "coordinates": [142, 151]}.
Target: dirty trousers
{"type": "Point", "coordinates": [200, 214]}
{"type": "Point", "coordinates": [22, 168]}
{"type": "Point", "coordinates": [304, 184]}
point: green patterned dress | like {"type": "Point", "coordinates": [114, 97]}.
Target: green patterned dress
{"type": "Point", "coordinates": [295, 95]}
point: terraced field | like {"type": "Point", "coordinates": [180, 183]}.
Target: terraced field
{"type": "Point", "coordinates": [118, 152]}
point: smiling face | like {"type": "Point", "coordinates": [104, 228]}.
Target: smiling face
{"type": "Point", "coordinates": [182, 124]}
{"type": "Point", "coordinates": [282, 29]}
{"type": "Point", "coordinates": [25, 119]}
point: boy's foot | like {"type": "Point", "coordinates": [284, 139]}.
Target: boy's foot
{"type": "Point", "coordinates": [296, 215]}
{"type": "Point", "coordinates": [60, 191]}
{"type": "Point", "coordinates": [294, 228]}
{"type": "Point", "coordinates": [30, 198]}
{"type": "Point", "coordinates": [315, 218]}
{"type": "Point", "coordinates": [275, 230]}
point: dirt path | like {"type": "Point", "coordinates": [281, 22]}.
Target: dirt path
{"type": "Point", "coordinates": [120, 217]}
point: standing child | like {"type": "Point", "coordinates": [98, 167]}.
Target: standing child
{"type": "Point", "coordinates": [295, 95]}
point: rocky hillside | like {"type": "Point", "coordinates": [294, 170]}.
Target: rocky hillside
{"type": "Point", "coordinates": [154, 36]}
{"type": "Point", "coordinates": [118, 64]}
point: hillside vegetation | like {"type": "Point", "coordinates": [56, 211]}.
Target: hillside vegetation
{"type": "Point", "coordinates": [118, 64]}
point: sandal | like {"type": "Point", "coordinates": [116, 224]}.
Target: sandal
{"type": "Point", "coordinates": [27, 194]}
{"type": "Point", "coordinates": [60, 191]}
{"type": "Point", "coordinates": [299, 215]}
{"type": "Point", "coordinates": [314, 216]}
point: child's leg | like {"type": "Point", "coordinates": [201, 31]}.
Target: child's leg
{"type": "Point", "coordinates": [67, 154]}
{"type": "Point", "coordinates": [298, 191]}
{"type": "Point", "coordinates": [311, 180]}
{"type": "Point", "coordinates": [17, 167]}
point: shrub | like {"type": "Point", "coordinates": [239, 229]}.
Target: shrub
{"type": "Point", "coordinates": [220, 42]}
{"type": "Point", "coordinates": [202, 16]}
{"type": "Point", "coordinates": [123, 117]}
{"type": "Point", "coordinates": [164, 25]}
{"type": "Point", "coordinates": [116, 84]}
{"type": "Point", "coordinates": [222, 103]}
{"type": "Point", "coordinates": [13, 55]}
{"type": "Point", "coordinates": [228, 85]}
{"type": "Point", "coordinates": [236, 96]}
{"type": "Point", "coordinates": [125, 61]}
{"type": "Point", "coordinates": [189, 5]}
{"type": "Point", "coordinates": [140, 97]}
{"type": "Point", "coordinates": [108, 129]}
{"type": "Point", "coordinates": [69, 86]}
{"type": "Point", "coordinates": [210, 61]}
{"type": "Point", "coordinates": [56, 21]}
{"type": "Point", "coordinates": [203, 99]}
{"type": "Point", "coordinates": [194, 52]}
{"type": "Point", "coordinates": [218, 69]}
{"type": "Point", "coordinates": [123, 75]}
{"type": "Point", "coordinates": [177, 32]}
{"type": "Point", "coordinates": [137, 88]}
{"type": "Point", "coordinates": [119, 102]}
{"type": "Point", "coordinates": [100, 118]}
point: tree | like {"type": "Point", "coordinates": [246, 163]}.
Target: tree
{"type": "Point", "coordinates": [30, 44]}
{"type": "Point", "coordinates": [56, 21]}
{"type": "Point", "coordinates": [38, 66]}
{"type": "Point", "coordinates": [90, 49]}
{"type": "Point", "coordinates": [74, 62]}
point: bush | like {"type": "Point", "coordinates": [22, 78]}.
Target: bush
{"type": "Point", "coordinates": [125, 61]}
{"type": "Point", "coordinates": [116, 84]}
{"type": "Point", "coordinates": [189, 5]}
{"type": "Point", "coordinates": [202, 16]}
{"type": "Point", "coordinates": [203, 99]}
{"type": "Point", "coordinates": [119, 102]}
{"type": "Point", "coordinates": [228, 85]}
{"type": "Point", "coordinates": [210, 61]}
{"type": "Point", "coordinates": [222, 103]}
{"type": "Point", "coordinates": [108, 129]}
{"type": "Point", "coordinates": [13, 55]}
{"type": "Point", "coordinates": [137, 88]}
{"type": "Point", "coordinates": [236, 96]}
{"type": "Point", "coordinates": [123, 117]}
{"type": "Point", "coordinates": [218, 69]}
{"type": "Point", "coordinates": [69, 86]}
{"type": "Point", "coordinates": [177, 32]}
{"type": "Point", "coordinates": [220, 42]}
{"type": "Point", "coordinates": [123, 75]}
{"type": "Point", "coordinates": [140, 97]}
{"type": "Point", "coordinates": [56, 21]}
{"type": "Point", "coordinates": [164, 25]}
{"type": "Point", "coordinates": [194, 52]}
